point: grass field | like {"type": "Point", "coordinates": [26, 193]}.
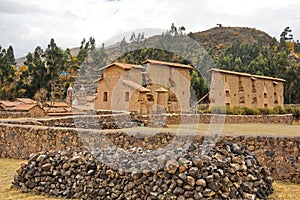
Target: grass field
{"type": "Point", "coordinates": [283, 191]}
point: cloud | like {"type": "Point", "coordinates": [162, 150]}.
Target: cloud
{"type": "Point", "coordinates": [27, 24]}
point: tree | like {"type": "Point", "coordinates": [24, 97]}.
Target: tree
{"type": "Point", "coordinates": [7, 73]}
{"type": "Point", "coordinates": [37, 72]}
{"type": "Point", "coordinates": [198, 84]}
{"type": "Point", "coordinates": [41, 96]}
{"type": "Point", "coordinates": [85, 48]}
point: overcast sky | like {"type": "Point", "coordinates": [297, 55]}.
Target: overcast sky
{"type": "Point", "coordinates": [26, 24]}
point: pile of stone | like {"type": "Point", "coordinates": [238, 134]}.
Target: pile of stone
{"type": "Point", "coordinates": [225, 172]}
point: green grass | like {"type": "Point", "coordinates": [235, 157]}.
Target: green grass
{"type": "Point", "coordinates": [282, 191]}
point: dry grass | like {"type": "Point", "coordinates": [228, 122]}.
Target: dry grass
{"type": "Point", "coordinates": [223, 129]}
{"type": "Point", "coordinates": [242, 129]}
{"type": "Point", "coordinates": [285, 191]}
{"type": "Point", "coordinates": [7, 171]}
{"type": "Point", "coordinates": [282, 191]}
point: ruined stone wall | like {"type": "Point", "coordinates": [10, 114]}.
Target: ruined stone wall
{"type": "Point", "coordinates": [280, 154]}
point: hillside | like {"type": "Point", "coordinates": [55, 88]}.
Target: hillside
{"type": "Point", "coordinates": [219, 38]}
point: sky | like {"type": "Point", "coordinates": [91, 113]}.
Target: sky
{"type": "Point", "coordinates": [31, 23]}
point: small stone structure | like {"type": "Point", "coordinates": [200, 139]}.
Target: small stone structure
{"type": "Point", "coordinates": [227, 172]}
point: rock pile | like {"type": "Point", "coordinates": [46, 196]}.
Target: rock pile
{"type": "Point", "coordinates": [225, 172]}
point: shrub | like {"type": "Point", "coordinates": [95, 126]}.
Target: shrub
{"type": "Point", "coordinates": [278, 110]}
{"type": "Point", "coordinates": [235, 33]}
{"type": "Point", "coordinates": [251, 111]}
{"type": "Point", "coordinates": [238, 110]}
{"type": "Point", "coordinates": [294, 110]}
{"type": "Point", "coordinates": [265, 111]}
{"type": "Point", "coordinates": [219, 110]}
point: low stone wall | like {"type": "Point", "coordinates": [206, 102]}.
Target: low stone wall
{"type": "Point", "coordinates": [107, 121]}
{"type": "Point", "coordinates": [279, 154]}
{"type": "Point", "coordinates": [9, 114]}
{"type": "Point", "coordinates": [230, 119]}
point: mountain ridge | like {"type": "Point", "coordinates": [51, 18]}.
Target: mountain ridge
{"type": "Point", "coordinates": [217, 38]}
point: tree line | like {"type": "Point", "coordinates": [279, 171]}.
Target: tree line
{"type": "Point", "coordinates": [45, 74]}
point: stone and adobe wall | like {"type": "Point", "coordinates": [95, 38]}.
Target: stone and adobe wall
{"type": "Point", "coordinates": [280, 154]}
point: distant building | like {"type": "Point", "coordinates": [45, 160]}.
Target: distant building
{"type": "Point", "coordinates": [81, 96]}
{"type": "Point", "coordinates": [78, 97]}
{"type": "Point", "coordinates": [30, 110]}
{"type": "Point", "coordinates": [69, 99]}
{"type": "Point", "coordinates": [157, 87]}
{"type": "Point", "coordinates": [57, 108]}
{"type": "Point", "coordinates": [243, 89]}
{"type": "Point", "coordinates": [34, 110]}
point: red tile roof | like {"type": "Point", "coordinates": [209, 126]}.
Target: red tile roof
{"type": "Point", "coordinates": [22, 107]}
{"type": "Point", "coordinates": [167, 63]}
{"type": "Point", "coordinates": [124, 66]}
{"type": "Point", "coordinates": [245, 74]}
{"type": "Point", "coordinates": [6, 103]}
{"type": "Point", "coordinates": [25, 100]}
{"type": "Point", "coordinates": [136, 86]}
{"type": "Point", "coordinates": [57, 104]}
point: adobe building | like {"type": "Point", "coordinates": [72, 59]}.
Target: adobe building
{"type": "Point", "coordinates": [117, 91]}
{"type": "Point", "coordinates": [171, 81]}
{"type": "Point", "coordinates": [157, 87]}
{"type": "Point", "coordinates": [245, 90]}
